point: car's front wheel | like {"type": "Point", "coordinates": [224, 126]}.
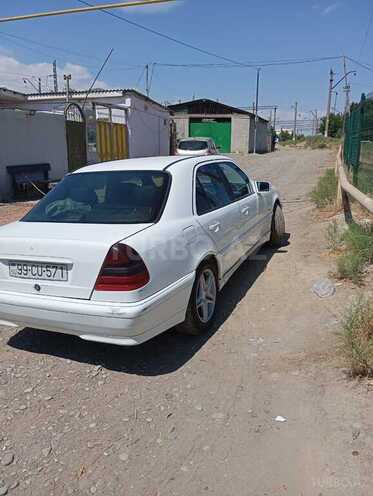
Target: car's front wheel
{"type": "Point", "coordinates": [202, 304]}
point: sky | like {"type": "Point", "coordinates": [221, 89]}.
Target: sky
{"type": "Point", "coordinates": [245, 31]}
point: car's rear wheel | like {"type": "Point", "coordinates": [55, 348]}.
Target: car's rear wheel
{"type": "Point", "coordinates": [277, 226]}
{"type": "Point", "coordinates": [202, 304]}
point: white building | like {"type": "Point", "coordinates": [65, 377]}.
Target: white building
{"type": "Point", "coordinates": [34, 133]}
{"type": "Point", "coordinates": [147, 121]}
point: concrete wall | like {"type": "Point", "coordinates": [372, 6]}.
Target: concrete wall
{"type": "Point", "coordinates": [240, 134]}
{"type": "Point", "coordinates": [262, 141]}
{"type": "Point", "coordinates": [148, 129]}
{"type": "Point", "coordinates": [182, 127]}
{"type": "Point", "coordinates": [31, 139]}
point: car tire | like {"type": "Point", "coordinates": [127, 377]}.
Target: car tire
{"type": "Point", "coordinates": [277, 226]}
{"type": "Point", "coordinates": [201, 309]}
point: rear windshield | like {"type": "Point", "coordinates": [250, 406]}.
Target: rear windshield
{"type": "Point", "coordinates": [193, 145]}
{"type": "Point", "coordinates": [115, 197]}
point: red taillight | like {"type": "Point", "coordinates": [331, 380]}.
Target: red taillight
{"type": "Point", "coordinates": [123, 270]}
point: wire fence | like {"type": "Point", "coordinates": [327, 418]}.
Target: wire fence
{"type": "Point", "coordinates": [358, 145]}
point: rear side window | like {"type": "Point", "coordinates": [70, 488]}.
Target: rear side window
{"type": "Point", "coordinates": [193, 145]}
{"type": "Point", "coordinates": [239, 183]}
{"type": "Point", "coordinates": [107, 197]}
{"type": "Point", "coordinates": [211, 189]}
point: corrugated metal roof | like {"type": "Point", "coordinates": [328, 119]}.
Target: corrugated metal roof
{"type": "Point", "coordinates": [78, 92]}
{"type": "Point", "coordinates": [94, 93]}
{"type": "Point", "coordinates": [10, 95]}
{"type": "Point", "coordinates": [207, 106]}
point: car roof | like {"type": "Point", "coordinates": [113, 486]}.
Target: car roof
{"type": "Point", "coordinates": [195, 138]}
{"type": "Point", "coordinates": [149, 163]}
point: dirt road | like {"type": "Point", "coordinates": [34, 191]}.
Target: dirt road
{"type": "Point", "coordinates": [192, 416]}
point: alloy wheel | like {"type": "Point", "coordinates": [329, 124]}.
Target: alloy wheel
{"type": "Point", "coordinates": [206, 295]}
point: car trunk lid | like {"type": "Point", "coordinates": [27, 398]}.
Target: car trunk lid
{"type": "Point", "coordinates": [80, 248]}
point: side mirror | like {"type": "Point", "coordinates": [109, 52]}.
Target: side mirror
{"type": "Point", "coordinates": [263, 186]}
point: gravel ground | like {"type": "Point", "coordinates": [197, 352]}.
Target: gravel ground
{"type": "Point", "coordinates": [258, 407]}
{"type": "Point", "coordinates": [10, 212]}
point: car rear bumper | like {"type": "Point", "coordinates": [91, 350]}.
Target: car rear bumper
{"type": "Point", "coordinates": [126, 324]}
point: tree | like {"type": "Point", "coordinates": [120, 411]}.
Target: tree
{"type": "Point", "coordinates": [335, 125]}
{"type": "Point", "coordinates": [285, 135]}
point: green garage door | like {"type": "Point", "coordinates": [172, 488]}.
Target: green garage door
{"type": "Point", "coordinates": [220, 130]}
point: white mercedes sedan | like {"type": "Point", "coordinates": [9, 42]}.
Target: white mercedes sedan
{"type": "Point", "coordinates": [119, 252]}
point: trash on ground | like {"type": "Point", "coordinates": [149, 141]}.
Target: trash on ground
{"type": "Point", "coordinates": [324, 288]}
{"type": "Point", "coordinates": [279, 418]}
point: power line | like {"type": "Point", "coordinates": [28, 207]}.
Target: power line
{"type": "Point", "coordinates": [165, 36]}
{"type": "Point", "coordinates": [19, 74]}
{"type": "Point", "coordinates": [191, 65]}
{"type": "Point", "coordinates": [141, 76]}
{"type": "Point", "coordinates": [98, 75]}
{"type": "Point", "coordinates": [50, 47]}
{"type": "Point", "coordinates": [255, 64]}
{"type": "Point", "coordinates": [364, 65]}
{"type": "Point", "coordinates": [366, 34]}
{"type": "Point", "coordinates": [151, 76]}
{"type": "Point", "coordinates": [70, 52]}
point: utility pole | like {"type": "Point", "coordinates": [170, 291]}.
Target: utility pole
{"type": "Point", "coordinates": [327, 120]}
{"type": "Point", "coordinates": [335, 102]}
{"type": "Point", "coordinates": [55, 78]}
{"type": "Point", "coordinates": [67, 78]}
{"type": "Point", "coordinates": [256, 107]}
{"type": "Point", "coordinates": [274, 118]}
{"type": "Point", "coordinates": [315, 122]}
{"type": "Point", "coordinates": [346, 88]}
{"type": "Point", "coordinates": [295, 121]}
{"type": "Point", "coordinates": [147, 89]}
{"type": "Point", "coordinates": [92, 8]}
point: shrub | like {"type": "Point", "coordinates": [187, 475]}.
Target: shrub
{"type": "Point", "coordinates": [359, 240]}
{"type": "Point", "coordinates": [350, 266]}
{"type": "Point", "coordinates": [326, 189]}
{"type": "Point", "coordinates": [334, 237]}
{"type": "Point", "coordinates": [319, 142]}
{"type": "Point", "coordinates": [358, 251]}
{"type": "Point", "coordinates": [357, 337]}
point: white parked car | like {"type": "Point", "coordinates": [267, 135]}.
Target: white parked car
{"type": "Point", "coordinates": [196, 146]}
{"type": "Point", "coordinates": [121, 251]}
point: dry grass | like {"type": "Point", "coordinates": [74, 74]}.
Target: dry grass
{"type": "Point", "coordinates": [325, 192]}
{"type": "Point", "coordinates": [357, 338]}
{"type": "Point", "coordinates": [354, 247]}
{"type": "Point", "coordinates": [334, 237]}
{"type": "Point", "coordinates": [10, 212]}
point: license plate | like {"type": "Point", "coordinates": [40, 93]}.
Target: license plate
{"type": "Point", "coordinates": [40, 271]}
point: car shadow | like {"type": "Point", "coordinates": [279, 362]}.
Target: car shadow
{"type": "Point", "coordinates": [163, 354]}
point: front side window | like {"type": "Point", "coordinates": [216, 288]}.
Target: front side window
{"type": "Point", "coordinates": [211, 189]}
{"type": "Point", "coordinates": [238, 181]}
{"type": "Point", "coordinates": [107, 197]}
{"type": "Point", "coordinates": [193, 145]}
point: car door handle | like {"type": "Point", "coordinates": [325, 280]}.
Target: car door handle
{"type": "Point", "coordinates": [215, 227]}
{"type": "Point", "coordinates": [245, 210]}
